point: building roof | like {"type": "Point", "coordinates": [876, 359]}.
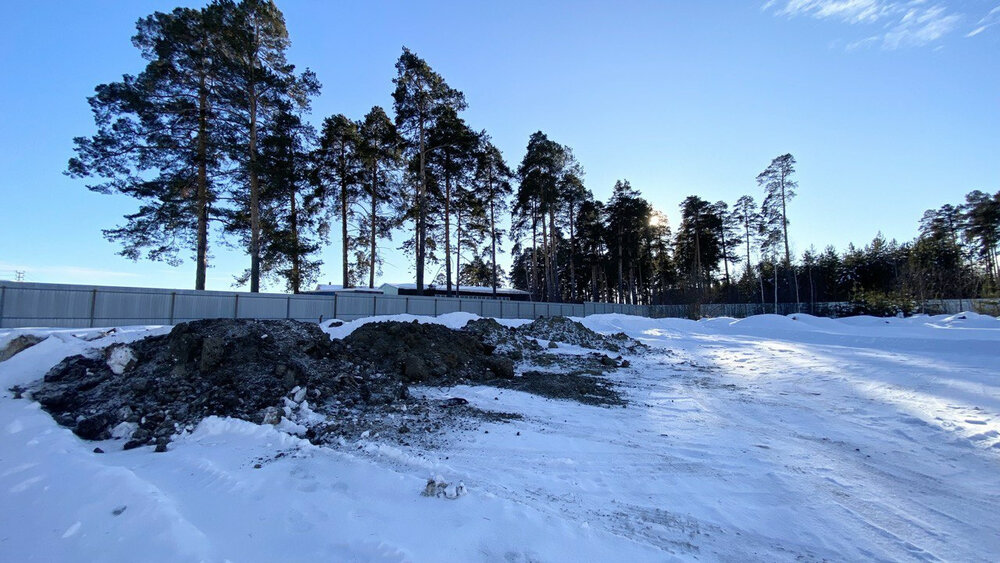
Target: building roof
{"type": "Point", "coordinates": [330, 288]}
{"type": "Point", "coordinates": [462, 288]}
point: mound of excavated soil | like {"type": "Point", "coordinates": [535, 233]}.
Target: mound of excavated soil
{"type": "Point", "coordinates": [427, 353]}
{"type": "Point", "coordinates": [154, 387]}
{"type": "Point", "coordinates": [562, 329]}
{"type": "Point", "coordinates": [262, 371]}
{"type": "Point", "coordinates": [503, 340]}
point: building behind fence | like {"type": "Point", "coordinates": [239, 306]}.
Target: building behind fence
{"type": "Point", "coordinates": [24, 304]}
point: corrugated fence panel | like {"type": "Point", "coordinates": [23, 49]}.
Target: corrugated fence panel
{"type": "Point", "coordinates": [492, 308]}
{"type": "Point", "coordinates": [390, 305]}
{"type": "Point", "coordinates": [262, 306]}
{"type": "Point", "coordinates": [45, 305]}
{"type": "Point", "coordinates": [508, 310]}
{"type": "Point", "coordinates": [353, 307]}
{"type": "Point", "coordinates": [194, 306]}
{"type": "Point", "coordinates": [115, 308]}
{"type": "Point", "coordinates": [447, 305]}
{"type": "Point", "coordinates": [421, 305]}
{"type": "Point", "coordinates": [310, 308]}
{"type": "Point", "coordinates": [525, 310]}
{"type": "Point", "coordinates": [474, 306]}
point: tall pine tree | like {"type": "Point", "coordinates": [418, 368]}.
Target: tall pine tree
{"type": "Point", "coordinates": [419, 97]}
{"type": "Point", "coordinates": [159, 137]}
{"type": "Point", "coordinates": [492, 179]}
{"type": "Point", "coordinates": [380, 153]}
{"type": "Point", "coordinates": [779, 189]}
{"type": "Point", "coordinates": [258, 84]}
{"type": "Point", "coordinates": [339, 172]}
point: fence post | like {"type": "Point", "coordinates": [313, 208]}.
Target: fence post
{"type": "Point", "coordinates": [173, 299]}
{"type": "Point", "coordinates": [236, 306]}
{"type": "Point", "coordinates": [435, 306]}
{"type": "Point", "coordinates": [288, 307]}
{"type": "Point", "coordinates": [93, 305]}
{"type": "Point", "coordinates": [406, 305]}
{"type": "Point", "coordinates": [335, 305]}
{"type": "Point", "coordinates": [3, 296]}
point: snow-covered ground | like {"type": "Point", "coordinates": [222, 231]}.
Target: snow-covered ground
{"type": "Point", "coordinates": [769, 438]}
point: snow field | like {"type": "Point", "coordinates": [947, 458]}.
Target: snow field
{"type": "Point", "coordinates": [769, 438]}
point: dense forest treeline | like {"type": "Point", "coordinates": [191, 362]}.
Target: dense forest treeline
{"type": "Point", "coordinates": [212, 138]}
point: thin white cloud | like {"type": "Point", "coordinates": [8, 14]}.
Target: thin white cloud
{"type": "Point", "coordinates": [920, 26]}
{"type": "Point", "coordinates": [909, 23]}
{"type": "Point", "coordinates": [851, 11]}
{"type": "Point", "coordinates": [863, 43]}
{"type": "Point", "coordinates": [989, 20]}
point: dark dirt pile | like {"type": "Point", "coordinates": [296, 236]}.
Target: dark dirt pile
{"type": "Point", "coordinates": [262, 371]}
{"type": "Point", "coordinates": [559, 376]}
{"type": "Point", "coordinates": [562, 329]}
{"type": "Point", "coordinates": [427, 353]}
{"type": "Point", "coordinates": [505, 341]}
{"type": "Point", "coordinates": [226, 367]}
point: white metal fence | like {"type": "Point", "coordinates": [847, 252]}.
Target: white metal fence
{"type": "Point", "coordinates": [24, 304]}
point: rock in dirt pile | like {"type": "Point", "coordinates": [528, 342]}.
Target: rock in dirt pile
{"type": "Point", "coordinates": [18, 345]}
{"type": "Point", "coordinates": [278, 371]}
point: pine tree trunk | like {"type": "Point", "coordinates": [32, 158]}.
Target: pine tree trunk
{"type": "Point", "coordinates": [594, 296]}
{"type": "Point", "coordinates": [372, 225]}
{"type": "Point", "coordinates": [527, 276]}
{"type": "Point", "coordinates": [763, 300]}
{"type": "Point", "coordinates": [545, 258]}
{"type": "Point", "coordinates": [421, 197]}
{"type": "Point", "coordinates": [293, 217]}
{"type": "Point", "coordinates": [572, 256]}
{"type": "Point", "coordinates": [636, 283]}
{"type": "Point", "coordinates": [447, 233]}
{"type": "Point", "coordinates": [554, 294]}
{"type": "Point", "coordinates": [202, 243]}
{"type": "Point", "coordinates": [345, 263]}
{"type": "Point", "coordinates": [254, 197]}
{"type": "Point", "coordinates": [725, 257]}
{"type": "Point", "coordinates": [493, 233]}
{"type": "Point", "coordinates": [746, 226]}
{"type": "Point", "coordinates": [621, 273]}
{"type": "Point", "coordinates": [775, 286]}
{"type": "Point", "coordinates": [788, 254]}
{"type": "Point", "coordinates": [784, 221]}
{"type": "Point", "coordinates": [697, 254]}
{"type": "Point", "coordinates": [812, 293]}
{"type": "Point", "coordinates": [534, 253]}
{"type": "Point", "coordinates": [458, 248]}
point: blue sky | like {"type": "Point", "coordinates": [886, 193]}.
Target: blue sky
{"type": "Point", "coordinates": [890, 107]}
